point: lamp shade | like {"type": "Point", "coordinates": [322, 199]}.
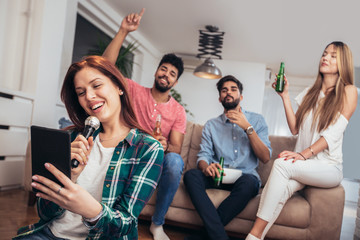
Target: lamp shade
{"type": "Point", "coordinates": [207, 70]}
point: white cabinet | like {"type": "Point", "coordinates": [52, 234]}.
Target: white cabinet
{"type": "Point", "coordinates": [15, 120]}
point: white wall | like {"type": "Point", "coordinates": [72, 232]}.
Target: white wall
{"type": "Point", "coordinates": [146, 71]}
{"type": "Point", "coordinates": [202, 97]}
{"type": "Point", "coordinates": [54, 56]}
{"type": "Point", "coordinates": [14, 23]}
{"type": "Point", "coordinates": [273, 109]}
{"type": "Point", "coordinates": [351, 145]}
{"type": "Point", "coordinates": [44, 49]}
{"type": "Point", "coordinates": [106, 19]}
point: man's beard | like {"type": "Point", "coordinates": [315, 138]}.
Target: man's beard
{"type": "Point", "coordinates": [230, 105]}
{"type": "Point", "coordinates": [162, 88]}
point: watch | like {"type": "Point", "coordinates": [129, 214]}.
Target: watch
{"type": "Point", "coordinates": [249, 130]}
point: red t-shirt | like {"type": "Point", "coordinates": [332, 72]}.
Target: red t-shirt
{"type": "Point", "coordinates": [173, 115]}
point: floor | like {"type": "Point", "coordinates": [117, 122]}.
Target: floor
{"type": "Point", "coordinates": [15, 213]}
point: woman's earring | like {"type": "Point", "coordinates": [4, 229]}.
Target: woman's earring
{"type": "Point", "coordinates": [121, 92]}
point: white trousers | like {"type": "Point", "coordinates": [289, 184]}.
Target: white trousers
{"type": "Point", "coordinates": [286, 178]}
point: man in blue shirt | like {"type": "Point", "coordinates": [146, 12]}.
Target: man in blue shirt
{"type": "Point", "coordinates": [241, 137]}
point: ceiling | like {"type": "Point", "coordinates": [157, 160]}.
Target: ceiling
{"type": "Point", "coordinates": [268, 31]}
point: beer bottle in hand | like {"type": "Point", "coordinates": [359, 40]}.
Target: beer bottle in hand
{"type": "Point", "coordinates": [280, 82]}
{"type": "Point", "coordinates": [157, 129]}
{"type": "Point", "coordinates": [218, 180]}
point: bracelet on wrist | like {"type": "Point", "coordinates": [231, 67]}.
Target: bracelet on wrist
{"type": "Point", "coordinates": [301, 156]}
{"type": "Point", "coordinates": [311, 150]}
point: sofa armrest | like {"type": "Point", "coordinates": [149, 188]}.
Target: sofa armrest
{"type": "Point", "coordinates": [327, 207]}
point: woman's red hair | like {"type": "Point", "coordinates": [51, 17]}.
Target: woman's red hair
{"type": "Point", "coordinates": [68, 94]}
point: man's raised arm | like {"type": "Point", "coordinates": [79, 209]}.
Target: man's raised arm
{"type": "Point", "coordinates": [129, 24]}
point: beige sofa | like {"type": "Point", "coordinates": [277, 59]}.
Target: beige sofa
{"type": "Point", "coordinates": [313, 213]}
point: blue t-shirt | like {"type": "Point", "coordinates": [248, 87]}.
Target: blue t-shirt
{"type": "Point", "coordinates": [221, 138]}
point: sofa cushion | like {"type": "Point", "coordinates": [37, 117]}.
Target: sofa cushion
{"type": "Point", "coordinates": [278, 144]}
{"type": "Point", "coordinates": [186, 143]}
{"type": "Point", "coordinates": [296, 212]}
{"type": "Point", "coordinates": [194, 146]}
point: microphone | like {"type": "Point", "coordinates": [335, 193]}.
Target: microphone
{"type": "Point", "coordinates": [91, 125]}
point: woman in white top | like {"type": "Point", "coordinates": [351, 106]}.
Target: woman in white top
{"type": "Point", "coordinates": [320, 121]}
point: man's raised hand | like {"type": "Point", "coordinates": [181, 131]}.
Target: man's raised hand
{"type": "Point", "coordinates": [132, 21]}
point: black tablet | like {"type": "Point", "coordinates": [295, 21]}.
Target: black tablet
{"type": "Point", "coordinates": [52, 146]}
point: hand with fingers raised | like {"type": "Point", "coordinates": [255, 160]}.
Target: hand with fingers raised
{"type": "Point", "coordinates": [132, 21]}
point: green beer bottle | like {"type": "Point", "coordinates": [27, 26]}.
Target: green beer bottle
{"type": "Point", "coordinates": [280, 82]}
{"type": "Point", "coordinates": [218, 180]}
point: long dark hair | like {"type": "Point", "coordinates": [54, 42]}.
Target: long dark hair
{"type": "Point", "coordinates": [68, 94]}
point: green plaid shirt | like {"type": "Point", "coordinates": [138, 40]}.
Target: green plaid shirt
{"type": "Point", "coordinates": [130, 181]}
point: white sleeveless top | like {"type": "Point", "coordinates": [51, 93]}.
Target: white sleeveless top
{"type": "Point", "coordinates": [333, 135]}
{"type": "Point", "coordinates": [69, 225]}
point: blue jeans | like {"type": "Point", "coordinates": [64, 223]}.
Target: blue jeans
{"type": "Point", "coordinates": [242, 191]}
{"type": "Point", "coordinates": [168, 185]}
{"type": "Point", "coordinates": [43, 234]}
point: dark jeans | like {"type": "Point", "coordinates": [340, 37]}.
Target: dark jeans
{"type": "Point", "coordinates": [43, 234]}
{"type": "Point", "coordinates": [242, 191]}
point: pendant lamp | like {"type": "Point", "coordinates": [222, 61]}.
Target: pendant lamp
{"type": "Point", "coordinates": [210, 43]}
{"type": "Point", "coordinates": [208, 70]}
